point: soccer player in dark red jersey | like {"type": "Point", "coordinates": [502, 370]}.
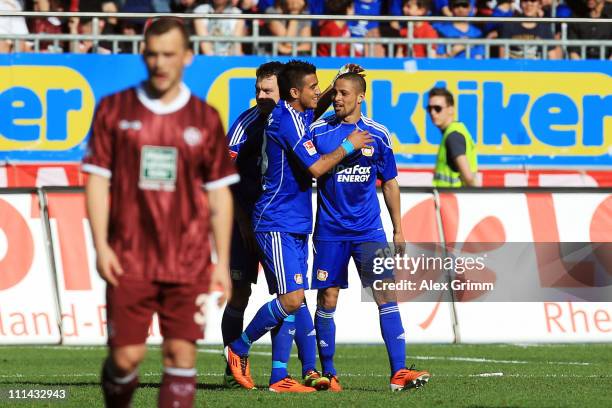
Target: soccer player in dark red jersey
{"type": "Point", "coordinates": [161, 154]}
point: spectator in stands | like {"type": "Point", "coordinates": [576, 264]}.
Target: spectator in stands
{"type": "Point", "coordinates": [588, 31]}
{"type": "Point", "coordinates": [48, 25]}
{"type": "Point", "coordinates": [528, 32]}
{"type": "Point", "coordinates": [315, 7]}
{"type": "Point", "coordinates": [219, 28]}
{"type": "Point", "coordinates": [369, 29]}
{"type": "Point", "coordinates": [130, 26]}
{"type": "Point", "coordinates": [84, 25]}
{"type": "Point", "coordinates": [459, 29]}
{"type": "Point", "coordinates": [503, 8]}
{"type": "Point", "coordinates": [112, 24]}
{"type": "Point", "coordinates": [290, 28]}
{"type": "Point", "coordinates": [421, 29]}
{"type": "Point", "coordinates": [336, 28]}
{"type": "Point", "coordinates": [12, 25]}
{"type": "Point", "coordinates": [184, 6]}
{"type": "Point", "coordinates": [161, 6]}
{"type": "Point", "coordinates": [442, 8]}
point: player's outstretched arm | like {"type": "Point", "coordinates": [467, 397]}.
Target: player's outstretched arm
{"type": "Point", "coordinates": [391, 194]}
{"type": "Point", "coordinates": [221, 218]}
{"type": "Point", "coordinates": [356, 140]}
{"type": "Point", "coordinates": [327, 96]}
{"type": "Point", "coordinates": [97, 195]}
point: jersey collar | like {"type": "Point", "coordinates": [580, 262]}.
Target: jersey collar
{"type": "Point", "coordinates": [155, 105]}
{"type": "Point", "coordinates": [360, 123]}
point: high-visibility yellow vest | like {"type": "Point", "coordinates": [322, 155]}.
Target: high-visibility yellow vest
{"type": "Point", "coordinates": [444, 175]}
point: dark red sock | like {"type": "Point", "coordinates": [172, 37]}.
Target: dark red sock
{"type": "Point", "coordinates": [177, 388]}
{"type": "Point", "coordinates": [117, 391]}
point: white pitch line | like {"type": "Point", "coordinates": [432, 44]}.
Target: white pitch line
{"type": "Point", "coordinates": [464, 359]}
{"type": "Point", "coordinates": [341, 375]}
{"type": "Point", "coordinates": [486, 360]}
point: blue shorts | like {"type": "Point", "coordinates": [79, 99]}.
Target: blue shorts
{"type": "Point", "coordinates": [244, 263]}
{"type": "Point", "coordinates": [284, 257]}
{"type": "Point", "coordinates": [331, 260]}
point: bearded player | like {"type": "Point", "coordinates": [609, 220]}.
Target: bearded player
{"type": "Point", "coordinates": [349, 226]}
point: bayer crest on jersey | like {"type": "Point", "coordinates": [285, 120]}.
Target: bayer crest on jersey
{"type": "Point", "coordinates": [192, 136]}
{"type": "Point", "coordinates": [367, 151]}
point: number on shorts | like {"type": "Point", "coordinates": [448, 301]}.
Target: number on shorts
{"type": "Point", "coordinates": [200, 316]}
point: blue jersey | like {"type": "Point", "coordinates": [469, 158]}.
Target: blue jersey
{"type": "Point", "coordinates": [285, 204]}
{"type": "Point", "coordinates": [372, 8]}
{"type": "Point", "coordinates": [244, 140]}
{"type": "Point", "coordinates": [448, 30]}
{"type": "Point", "coordinates": [348, 208]}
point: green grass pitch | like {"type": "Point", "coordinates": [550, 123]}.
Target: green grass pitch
{"type": "Point", "coordinates": [463, 376]}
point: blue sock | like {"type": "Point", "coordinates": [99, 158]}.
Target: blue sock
{"type": "Point", "coordinates": [282, 340]}
{"type": "Point", "coordinates": [266, 318]}
{"type": "Point", "coordinates": [326, 338]}
{"type": "Point", "coordinates": [231, 324]}
{"type": "Point", "coordinates": [305, 339]}
{"type": "Point", "coordinates": [393, 334]}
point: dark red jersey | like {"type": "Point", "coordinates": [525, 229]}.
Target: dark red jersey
{"type": "Point", "coordinates": [159, 159]}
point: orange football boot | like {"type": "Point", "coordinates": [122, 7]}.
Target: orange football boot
{"type": "Point", "coordinates": [288, 384]}
{"type": "Point", "coordinates": [334, 383]}
{"type": "Point", "coordinates": [407, 378]}
{"type": "Point", "coordinates": [240, 368]}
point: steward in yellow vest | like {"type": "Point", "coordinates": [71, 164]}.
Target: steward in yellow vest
{"type": "Point", "coordinates": [456, 163]}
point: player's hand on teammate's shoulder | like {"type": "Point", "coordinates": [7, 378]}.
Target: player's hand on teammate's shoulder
{"type": "Point", "coordinates": [359, 138]}
{"type": "Point", "coordinates": [108, 265]}
{"type": "Point", "coordinates": [220, 281]}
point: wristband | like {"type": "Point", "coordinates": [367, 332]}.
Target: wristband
{"type": "Point", "coordinates": [348, 146]}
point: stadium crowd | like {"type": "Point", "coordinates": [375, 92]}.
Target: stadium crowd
{"type": "Point", "coordinates": [329, 28]}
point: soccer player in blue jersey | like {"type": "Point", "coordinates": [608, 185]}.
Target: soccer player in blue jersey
{"type": "Point", "coordinates": [282, 220]}
{"type": "Point", "coordinates": [244, 140]}
{"type": "Point", "coordinates": [349, 225]}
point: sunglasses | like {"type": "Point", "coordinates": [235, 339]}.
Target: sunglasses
{"type": "Point", "coordinates": [461, 5]}
{"type": "Point", "coordinates": [435, 108]}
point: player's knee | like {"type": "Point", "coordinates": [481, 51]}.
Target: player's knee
{"type": "Point", "coordinates": [328, 298]}
{"type": "Point", "coordinates": [179, 353]}
{"type": "Point", "coordinates": [240, 297]}
{"type": "Point", "coordinates": [292, 301]}
{"type": "Point", "coordinates": [384, 296]}
{"type": "Point", "coordinates": [126, 359]}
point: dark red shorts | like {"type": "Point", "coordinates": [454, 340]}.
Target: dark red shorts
{"type": "Point", "coordinates": [130, 307]}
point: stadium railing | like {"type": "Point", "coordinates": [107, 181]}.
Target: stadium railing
{"type": "Point", "coordinates": [257, 40]}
